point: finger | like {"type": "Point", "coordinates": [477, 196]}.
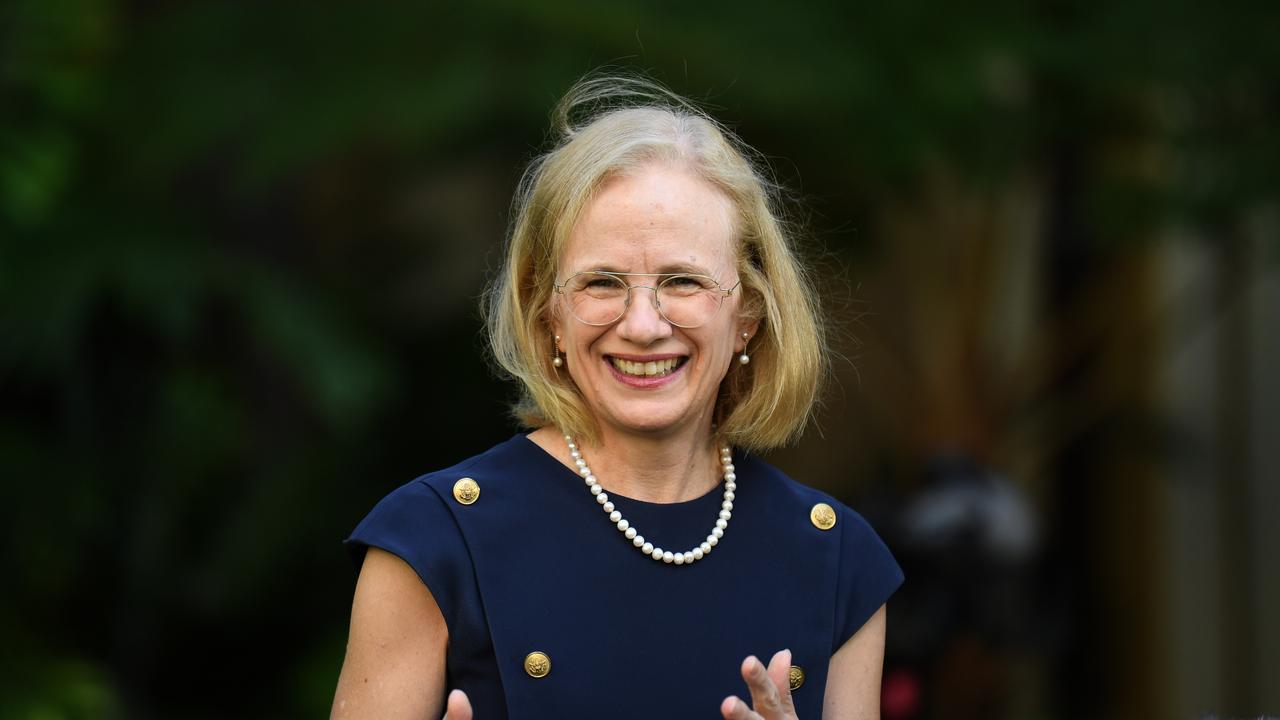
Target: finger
{"type": "Point", "coordinates": [734, 709]}
{"type": "Point", "coordinates": [458, 706]}
{"type": "Point", "coordinates": [780, 673]}
{"type": "Point", "coordinates": [765, 699]}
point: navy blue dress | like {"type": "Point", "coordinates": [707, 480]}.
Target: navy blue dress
{"type": "Point", "coordinates": [535, 565]}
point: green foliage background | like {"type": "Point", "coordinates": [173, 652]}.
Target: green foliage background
{"type": "Point", "coordinates": [241, 244]}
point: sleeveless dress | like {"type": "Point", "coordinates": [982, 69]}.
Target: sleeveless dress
{"type": "Point", "coordinates": [532, 565]}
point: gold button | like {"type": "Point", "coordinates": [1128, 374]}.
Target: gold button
{"type": "Point", "coordinates": [466, 491]}
{"type": "Point", "coordinates": [823, 516]}
{"type": "Point", "coordinates": [795, 676]}
{"type": "Point", "coordinates": [537, 664]}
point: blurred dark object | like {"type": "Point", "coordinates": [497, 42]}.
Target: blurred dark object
{"type": "Point", "coordinates": [968, 541]}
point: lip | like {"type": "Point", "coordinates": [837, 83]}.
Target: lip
{"type": "Point", "coordinates": [644, 383]}
{"type": "Point", "coordinates": [643, 358]}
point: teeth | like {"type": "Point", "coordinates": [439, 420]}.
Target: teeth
{"type": "Point", "coordinates": [646, 369]}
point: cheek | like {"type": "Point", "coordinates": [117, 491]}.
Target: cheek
{"type": "Point", "coordinates": [577, 341]}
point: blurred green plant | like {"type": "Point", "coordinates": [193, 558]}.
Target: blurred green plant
{"type": "Point", "coordinates": [59, 689]}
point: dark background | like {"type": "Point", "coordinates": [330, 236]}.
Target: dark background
{"type": "Point", "coordinates": [241, 246]}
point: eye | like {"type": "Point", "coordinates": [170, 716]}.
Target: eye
{"type": "Point", "coordinates": [598, 285]}
{"type": "Point", "coordinates": [689, 283]}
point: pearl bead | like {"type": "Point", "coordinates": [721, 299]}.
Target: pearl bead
{"type": "Point", "coordinates": [646, 547]}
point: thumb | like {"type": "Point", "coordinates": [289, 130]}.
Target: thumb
{"type": "Point", "coordinates": [458, 706]}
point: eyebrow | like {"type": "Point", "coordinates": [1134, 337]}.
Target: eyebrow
{"type": "Point", "coordinates": [668, 269]}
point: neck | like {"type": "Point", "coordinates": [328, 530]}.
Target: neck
{"type": "Point", "coordinates": [667, 469]}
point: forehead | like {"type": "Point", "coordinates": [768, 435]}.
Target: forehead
{"type": "Point", "coordinates": [658, 219]}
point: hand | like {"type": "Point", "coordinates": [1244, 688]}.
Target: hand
{"type": "Point", "coordinates": [770, 691]}
{"type": "Point", "coordinates": [458, 707]}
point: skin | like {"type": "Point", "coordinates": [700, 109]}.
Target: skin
{"type": "Point", "coordinates": [655, 445]}
{"type": "Point", "coordinates": [655, 442]}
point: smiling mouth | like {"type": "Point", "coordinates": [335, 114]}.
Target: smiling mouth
{"type": "Point", "coordinates": [653, 368]}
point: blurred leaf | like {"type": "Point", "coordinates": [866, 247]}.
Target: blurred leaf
{"type": "Point", "coordinates": [34, 175]}
{"type": "Point", "coordinates": [58, 689]}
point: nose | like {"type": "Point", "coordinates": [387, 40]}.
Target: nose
{"type": "Point", "coordinates": [641, 322]}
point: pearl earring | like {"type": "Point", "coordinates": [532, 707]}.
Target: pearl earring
{"type": "Point", "coordinates": [744, 358]}
{"type": "Point", "coordinates": [557, 360]}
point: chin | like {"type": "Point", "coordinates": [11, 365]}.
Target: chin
{"type": "Point", "coordinates": [650, 423]}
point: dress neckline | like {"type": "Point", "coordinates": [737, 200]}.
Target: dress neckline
{"type": "Point", "coordinates": [546, 457]}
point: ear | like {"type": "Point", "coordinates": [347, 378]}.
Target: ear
{"type": "Point", "coordinates": [552, 321]}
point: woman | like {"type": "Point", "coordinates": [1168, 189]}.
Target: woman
{"type": "Point", "coordinates": [608, 564]}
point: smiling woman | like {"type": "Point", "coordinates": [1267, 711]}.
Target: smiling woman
{"type": "Point", "coordinates": [657, 216]}
{"type": "Point", "coordinates": [658, 322]}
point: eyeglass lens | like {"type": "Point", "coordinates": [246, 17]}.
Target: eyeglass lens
{"type": "Point", "coordinates": [683, 300]}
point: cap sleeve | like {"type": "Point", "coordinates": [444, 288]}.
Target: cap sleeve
{"type": "Point", "coordinates": [868, 575]}
{"type": "Point", "coordinates": [414, 524]}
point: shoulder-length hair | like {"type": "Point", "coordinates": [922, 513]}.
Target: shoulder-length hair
{"type": "Point", "coordinates": [606, 126]}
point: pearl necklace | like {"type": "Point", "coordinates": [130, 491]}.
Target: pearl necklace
{"type": "Point", "coordinates": [638, 540]}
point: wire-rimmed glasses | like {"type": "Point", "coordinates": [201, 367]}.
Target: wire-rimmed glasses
{"type": "Point", "coordinates": [686, 300]}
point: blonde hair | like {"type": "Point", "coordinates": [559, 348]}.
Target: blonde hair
{"type": "Point", "coordinates": [609, 125]}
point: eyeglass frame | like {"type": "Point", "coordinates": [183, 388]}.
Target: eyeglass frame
{"type": "Point", "coordinates": [622, 276]}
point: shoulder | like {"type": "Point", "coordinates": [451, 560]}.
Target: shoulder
{"type": "Point", "coordinates": [501, 465]}
{"type": "Point", "coordinates": [417, 521]}
{"type": "Point", "coordinates": [429, 493]}
{"type": "Point", "coordinates": [824, 510]}
{"type": "Point", "coordinates": [495, 472]}
{"type": "Point", "coordinates": [866, 572]}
